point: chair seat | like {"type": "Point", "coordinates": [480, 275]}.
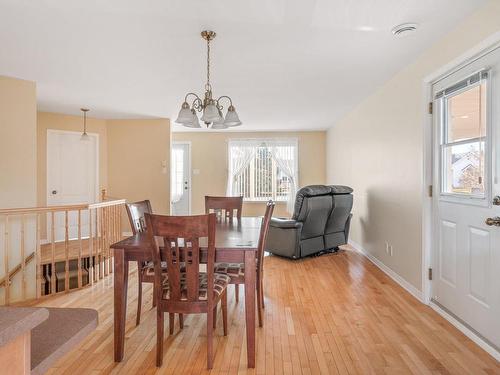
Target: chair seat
{"type": "Point", "coordinates": [149, 268]}
{"type": "Point", "coordinates": [231, 269]}
{"type": "Point", "coordinates": [220, 283]}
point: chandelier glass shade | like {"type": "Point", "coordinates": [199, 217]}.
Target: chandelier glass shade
{"type": "Point", "coordinates": [211, 109]}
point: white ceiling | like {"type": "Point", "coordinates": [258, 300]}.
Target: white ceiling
{"type": "Point", "coordinates": [287, 64]}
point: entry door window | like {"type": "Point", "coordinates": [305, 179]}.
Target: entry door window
{"type": "Point", "coordinates": [464, 137]}
{"type": "Point", "coordinates": [177, 174]}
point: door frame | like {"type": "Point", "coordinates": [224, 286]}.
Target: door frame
{"type": "Point", "coordinates": [97, 171]}
{"type": "Point", "coordinates": [480, 50]}
{"type": "Point", "coordinates": [187, 143]}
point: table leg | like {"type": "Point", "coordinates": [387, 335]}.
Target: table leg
{"type": "Point", "coordinates": [120, 302]}
{"type": "Point", "coordinates": [250, 272]}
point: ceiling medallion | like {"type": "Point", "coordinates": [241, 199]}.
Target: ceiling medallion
{"type": "Point", "coordinates": [210, 109]}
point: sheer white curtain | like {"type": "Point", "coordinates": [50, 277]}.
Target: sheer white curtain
{"type": "Point", "coordinates": [241, 154]}
{"type": "Point", "coordinates": [286, 160]}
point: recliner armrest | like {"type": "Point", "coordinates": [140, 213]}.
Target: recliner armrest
{"type": "Point", "coordinates": [284, 237]}
{"type": "Point", "coordinates": [285, 223]}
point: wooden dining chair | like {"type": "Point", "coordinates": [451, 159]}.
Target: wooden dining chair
{"type": "Point", "coordinates": [226, 205]}
{"type": "Point", "coordinates": [185, 290]}
{"type": "Point", "coordinates": [135, 212]}
{"type": "Point", "coordinates": [145, 270]}
{"type": "Point", "coordinates": [237, 270]}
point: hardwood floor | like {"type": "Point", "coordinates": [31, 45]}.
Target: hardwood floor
{"type": "Point", "coordinates": [334, 314]}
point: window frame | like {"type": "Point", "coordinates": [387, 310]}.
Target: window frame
{"type": "Point", "coordinates": [443, 124]}
{"type": "Point", "coordinates": [258, 142]}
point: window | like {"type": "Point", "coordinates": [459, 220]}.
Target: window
{"type": "Point", "coordinates": [463, 137]}
{"type": "Point", "coordinates": [260, 170]}
{"type": "Point", "coordinates": [177, 174]}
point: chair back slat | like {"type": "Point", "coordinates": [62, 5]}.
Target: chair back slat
{"type": "Point", "coordinates": [135, 212]}
{"type": "Point", "coordinates": [179, 236]}
{"type": "Point", "coordinates": [227, 206]}
{"type": "Point", "coordinates": [192, 264]}
{"type": "Point", "coordinates": [264, 230]}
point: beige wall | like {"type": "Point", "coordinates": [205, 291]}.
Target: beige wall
{"type": "Point", "coordinates": [17, 143]}
{"type": "Point", "coordinates": [136, 151]}
{"type": "Point", "coordinates": [209, 156]}
{"type": "Point", "coordinates": [18, 177]}
{"type": "Point", "coordinates": [378, 150]}
{"type": "Point", "coordinates": [69, 123]}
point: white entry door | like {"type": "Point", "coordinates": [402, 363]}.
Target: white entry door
{"type": "Point", "coordinates": [466, 261]}
{"type": "Point", "coordinates": [180, 190]}
{"type": "Point", "coordinates": [72, 178]}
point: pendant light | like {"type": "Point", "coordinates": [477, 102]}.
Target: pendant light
{"type": "Point", "coordinates": [85, 137]}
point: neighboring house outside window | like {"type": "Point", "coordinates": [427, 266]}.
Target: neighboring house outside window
{"type": "Point", "coordinates": [263, 169]}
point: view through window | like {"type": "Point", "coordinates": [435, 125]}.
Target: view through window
{"type": "Point", "coordinates": [262, 170]}
{"type": "Point", "coordinates": [463, 141]}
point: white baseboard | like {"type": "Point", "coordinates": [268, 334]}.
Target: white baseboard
{"type": "Point", "coordinates": [389, 272]}
{"type": "Point", "coordinates": [418, 295]}
{"type": "Point", "coordinates": [466, 331]}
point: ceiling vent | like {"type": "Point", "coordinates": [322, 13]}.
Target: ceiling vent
{"type": "Point", "coordinates": [404, 29]}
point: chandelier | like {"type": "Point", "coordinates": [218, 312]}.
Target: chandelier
{"type": "Point", "coordinates": [210, 108]}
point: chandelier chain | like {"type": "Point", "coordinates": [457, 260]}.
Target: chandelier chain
{"type": "Point", "coordinates": [208, 65]}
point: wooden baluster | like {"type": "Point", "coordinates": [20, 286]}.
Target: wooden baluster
{"type": "Point", "coordinates": [110, 236]}
{"type": "Point", "coordinates": [38, 257]}
{"type": "Point", "coordinates": [91, 250]}
{"type": "Point", "coordinates": [115, 237]}
{"type": "Point", "coordinates": [66, 252]}
{"type": "Point", "coordinates": [105, 238]}
{"type": "Point", "coordinates": [53, 253]}
{"type": "Point", "coordinates": [23, 259]}
{"type": "Point", "coordinates": [6, 262]}
{"type": "Point", "coordinates": [98, 225]}
{"type": "Point", "coordinates": [80, 246]}
{"type": "Point", "coordinates": [120, 221]}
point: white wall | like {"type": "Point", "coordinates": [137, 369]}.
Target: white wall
{"type": "Point", "coordinates": [377, 149]}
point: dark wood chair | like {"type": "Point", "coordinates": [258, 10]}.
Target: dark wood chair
{"type": "Point", "coordinates": [145, 270]}
{"type": "Point", "coordinates": [237, 270]}
{"type": "Point", "coordinates": [226, 205]}
{"type": "Point", "coordinates": [185, 290]}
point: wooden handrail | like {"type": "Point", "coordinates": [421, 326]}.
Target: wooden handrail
{"type": "Point", "coordinates": [107, 203]}
{"type": "Point", "coordinates": [17, 268]}
{"type": "Point", "coordinates": [70, 207]}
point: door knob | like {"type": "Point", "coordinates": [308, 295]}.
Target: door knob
{"type": "Point", "coordinates": [54, 192]}
{"type": "Point", "coordinates": [493, 221]}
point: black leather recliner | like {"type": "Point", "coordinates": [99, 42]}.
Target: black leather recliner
{"type": "Point", "coordinates": [320, 221]}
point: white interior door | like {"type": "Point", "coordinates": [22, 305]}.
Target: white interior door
{"type": "Point", "coordinates": [180, 190]}
{"type": "Point", "coordinates": [466, 261]}
{"type": "Point", "coordinates": [72, 178]}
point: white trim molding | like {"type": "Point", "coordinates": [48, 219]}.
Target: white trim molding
{"type": "Point", "coordinates": [388, 271]}
{"type": "Point", "coordinates": [483, 48]}
{"type": "Point", "coordinates": [466, 331]}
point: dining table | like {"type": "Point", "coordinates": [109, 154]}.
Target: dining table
{"type": "Point", "coordinates": [235, 242]}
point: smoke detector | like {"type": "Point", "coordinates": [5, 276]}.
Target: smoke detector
{"type": "Point", "coordinates": [404, 29]}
